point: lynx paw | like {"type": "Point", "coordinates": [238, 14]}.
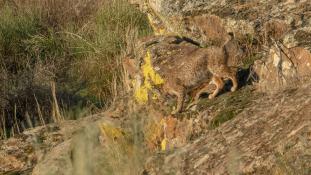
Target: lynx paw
{"type": "Point", "coordinates": [233, 89]}
{"type": "Point", "coordinates": [211, 96]}
{"type": "Point", "coordinates": [192, 106]}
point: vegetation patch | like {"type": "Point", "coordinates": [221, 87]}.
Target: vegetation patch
{"type": "Point", "coordinates": [226, 106]}
{"type": "Point", "coordinates": [223, 116]}
{"type": "Point", "coordinates": [75, 45]}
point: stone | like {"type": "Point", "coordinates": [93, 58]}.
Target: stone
{"type": "Point", "coordinates": [283, 67]}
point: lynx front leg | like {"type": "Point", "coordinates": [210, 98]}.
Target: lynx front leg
{"type": "Point", "coordinates": [229, 72]}
{"type": "Point", "coordinates": [219, 86]}
{"type": "Point", "coordinates": [180, 100]}
{"type": "Point", "coordinates": [234, 80]}
{"type": "Point", "coordinates": [223, 71]}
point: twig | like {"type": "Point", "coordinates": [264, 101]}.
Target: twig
{"type": "Point", "coordinates": [39, 111]}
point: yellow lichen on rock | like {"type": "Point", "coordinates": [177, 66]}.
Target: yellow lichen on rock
{"type": "Point", "coordinates": [164, 144]}
{"type": "Point", "coordinates": [149, 73]}
{"type": "Point", "coordinates": [111, 132]}
{"type": "Point", "coordinates": [116, 140]}
{"type": "Point", "coordinates": [151, 77]}
{"type": "Point", "coordinates": [141, 94]}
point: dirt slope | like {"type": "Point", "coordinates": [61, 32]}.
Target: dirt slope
{"type": "Point", "coordinates": [271, 136]}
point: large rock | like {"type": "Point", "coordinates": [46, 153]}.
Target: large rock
{"type": "Point", "coordinates": [21, 153]}
{"type": "Point", "coordinates": [255, 24]}
{"type": "Point", "coordinates": [208, 21]}
{"type": "Point", "coordinates": [283, 67]}
{"type": "Point", "coordinates": [49, 146]}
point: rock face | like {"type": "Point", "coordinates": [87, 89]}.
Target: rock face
{"type": "Point", "coordinates": [49, 145]}
{"type": "Point", "coordinates": [283, 67]}
{"type": "Point", "coordinates": [255, 25]}
{"type": "Point", "coordinates": [20, 154]}
{"type": "Point", "coordinates": [214, 18]}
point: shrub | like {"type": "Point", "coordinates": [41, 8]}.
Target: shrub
{"type": "Point", "coordinates": [76, 44]}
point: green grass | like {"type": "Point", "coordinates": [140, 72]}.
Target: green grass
{"type": "Point", "coordinates": [227, 106]}
{"type": "Point", "coordinates": [223, 116]}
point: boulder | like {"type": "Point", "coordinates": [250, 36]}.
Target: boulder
{"type": "Point", "coordinates": [48, 149]}
{"type": "Point", "coordinates": [254, 24]}
{"type": "Point", "coordinates": [208, 21]}
{"type": "Point", "coordinates": [283, 67]}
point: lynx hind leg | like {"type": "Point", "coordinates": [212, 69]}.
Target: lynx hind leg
{"type": "Point", "coordinates": [219, 86]}
{"type": "Point", "coordinates": [201, 91]}
{"type": "Point", "coordinates": [235, 84]}
{"type": "Point", "coordinates": [197, 94]}
{"type": "Point", "coordinates": [180, 94]}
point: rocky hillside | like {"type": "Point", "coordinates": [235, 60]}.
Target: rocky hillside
{"type": "Point", "coordinates": [263, 128]}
